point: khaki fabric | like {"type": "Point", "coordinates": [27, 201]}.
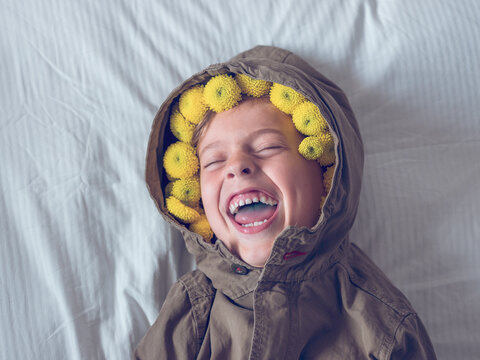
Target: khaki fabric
{"type": "Point", "coordinates": [318, 296]}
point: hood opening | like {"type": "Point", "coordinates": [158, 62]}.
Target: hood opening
{"type": "Point", "coordinates": [274, 65]}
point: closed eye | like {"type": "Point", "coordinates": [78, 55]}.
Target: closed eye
{"type": "Point", "coordinates": [212, 163]}
{"type": "Point", "coordinates": [269, 150]}
{"type": "Point", "coordinates": [270, 147]}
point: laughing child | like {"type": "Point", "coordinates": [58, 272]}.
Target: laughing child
{"type": "Point", "coordinates": [258, 162]}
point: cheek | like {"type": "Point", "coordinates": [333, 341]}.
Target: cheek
{"type": "Point", "coordinates": [209, 191]}
{"type": "Point", "coordinates": [304, 182]}
{"type": "Point", "coordinates": [313, 192]}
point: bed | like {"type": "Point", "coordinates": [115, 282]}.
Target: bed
{"type": "Point", "coordinates": [86, 260]}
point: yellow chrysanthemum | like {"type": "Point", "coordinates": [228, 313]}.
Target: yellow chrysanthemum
{"type": "Point", "coordinates": [284, 98]}
{"type": "Point", "coordinates": [222, 93]}
{"type": "Point", "coordinates": [308, 119]}
{"type": "Point", "coordinates": [187, 190]}
{"type": "Point", "coordinates": [181, 211]}
{"type": "Point", "coordinates": [181, 128]}
{"type": "Point", "coordinates": [202, 227]}
{"type": "Point", "coordinates": [328, 177]}
{"type": "Point", "coordinates": [192, 105]}
{"type": "Point", "coordinates": [326, 138]}
{"type": "Point", "coordinates": [180, 160]}
{"type": "Point", "coordinates": [311, 148]}
{"type": "Point", "coordinates": [327, 159]}
{"type": "Point", "coordinates": [252, 87]}
{"type": "Point", "coordinates": [328, 156]}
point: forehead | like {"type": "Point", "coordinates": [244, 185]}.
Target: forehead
{"type": "Point", "coordinates": [250, 117]}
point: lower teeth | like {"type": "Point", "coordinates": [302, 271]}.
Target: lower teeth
{"type": "Point", "coordinates": [256, 223]}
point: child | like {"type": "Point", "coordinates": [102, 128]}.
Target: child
{"type": "Point", "coordinates": [276, 151]}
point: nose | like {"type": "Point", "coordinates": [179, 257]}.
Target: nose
{"type": "Point", "coordinates": [240, 165]}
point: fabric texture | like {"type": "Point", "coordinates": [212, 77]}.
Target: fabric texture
{"type": "Point", "coordinates": [318, 296]}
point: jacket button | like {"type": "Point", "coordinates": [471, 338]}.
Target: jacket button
{"type": "Point", "coordinates": [239, 269]}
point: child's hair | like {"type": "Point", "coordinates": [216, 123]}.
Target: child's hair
{"type": "Point", "coordinates": [190, 116]}
{"type": "Point", "coordinates": [203, 124]}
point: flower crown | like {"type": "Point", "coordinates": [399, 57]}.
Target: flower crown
{"type": "Point", "coordinates": [221, 93]}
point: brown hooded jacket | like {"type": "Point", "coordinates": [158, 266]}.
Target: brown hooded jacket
{"type": "Point", "coordinates": [318, 295]}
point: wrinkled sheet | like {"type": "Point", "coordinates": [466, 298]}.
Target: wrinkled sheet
{"type": "Point", "coordinates": [85, 259]}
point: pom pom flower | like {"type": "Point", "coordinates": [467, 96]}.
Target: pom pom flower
{"type": "Point", "coordinates": [202, 227]}
{"type": "Point", "coordinates": [222, 93]}
{"type": "Point", "coordinates": [192, 105]}
{"type": "Point", "coordinates": [311, 148]}
{"type": "Point", "coordinates": [252, 87]}
{"type": "Point", "coordinates": [181, 211]}
{"type": "Point", "coordinates": [326, 138]}
{"type": "Point", "coordinates": [180, 161]}
{"type": "Point", "coordinates": [308, 119]}
{"type": "Point", "coordinates": [180, 127]}
{"type": "Point", "coordinates": [284, 98]}
{"type": "Point", "coordinates": [328, 156]}
{"type": "Point", "coordinates": [187, 190]}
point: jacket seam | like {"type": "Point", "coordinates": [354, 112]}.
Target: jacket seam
{"type": "Point", "coordinates": [315, 275]}
{"type": "Point", "coordinates": [198, 295]}
{"type": "Point", "coordinates": [398, 312]}
{"type": "Point", "coordinates": [334, 259]}
{"type": "Point", "coordinates": [397, 328]}
{"type": "Point", "coordinates": [286, 57]}
{"type": "Point", "coordinates": [388, 341]}
{"type": "Point", "coordinates": [193, 305]}
{"type": "Point", "coordinates": [295, 328]}
{"type": "Point", "coordinates": [194, 316]}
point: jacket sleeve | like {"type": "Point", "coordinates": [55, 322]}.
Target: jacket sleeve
{"type": "Point", "coordinates": [412, 341]}
{"type": "Point", "coordinates": [173, 335]}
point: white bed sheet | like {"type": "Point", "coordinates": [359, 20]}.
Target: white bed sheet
{"type": "Point", "coordinates": [86, 261]}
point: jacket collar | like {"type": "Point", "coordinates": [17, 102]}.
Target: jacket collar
{"type": "Point", "coordinates": [294, 258]}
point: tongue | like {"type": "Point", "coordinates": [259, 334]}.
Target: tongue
{"type": "Point", "coordinates": [256, 212]}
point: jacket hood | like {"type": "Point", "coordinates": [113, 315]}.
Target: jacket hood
{"type": "Point", "coordinates": [296, 251]}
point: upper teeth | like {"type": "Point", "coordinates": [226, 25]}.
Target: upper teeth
{"type": "Point", "coordinates": [265, 200]}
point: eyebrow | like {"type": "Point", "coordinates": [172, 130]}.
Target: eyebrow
{"type": "Point", "coordinates": [256, 133]}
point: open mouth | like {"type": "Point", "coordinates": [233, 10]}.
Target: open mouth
{"type": "Point", "coordinates": [252, 211]}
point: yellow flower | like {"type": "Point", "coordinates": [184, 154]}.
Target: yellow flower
{"type": "Point", "coordinates": [181, 211]}
{"type": "Point", "coordinates": [285, 98]}
{"type": "Point", "coordinates": [311, 148]}
{"type": "Point", "coordinates": [187, 190]}
{"type": "Point", "coordinates": [192, 105]}
{"type": "Point", "coordinates": [308, 119]}
{"type": "Point", "coordinates": [180, 160]}
{"type": "Point", "coordinates": [202, 227]}
{"type": "Point", "coordinates": [327, 159]}
{"type": "Point", "coordinates": [222, 93]}
{"type": "Point", "coordinates": [326, 138]}
{"type": "Point", "coordinates": [328, 156]}
{"type": "Point", "coordinates": [251, 86]}
{"type": "Point", "coordinates": [181, 128]}
{"type": "Point", "coordinates": [328, 177]}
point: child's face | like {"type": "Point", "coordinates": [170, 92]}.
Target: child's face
{"type": "Point", "coordinates": [248, 155]}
